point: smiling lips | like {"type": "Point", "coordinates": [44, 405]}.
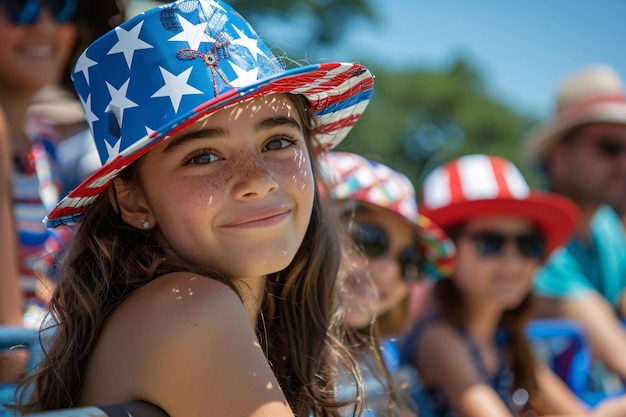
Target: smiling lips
{"type": "Point", "coordinates": [260, 218]}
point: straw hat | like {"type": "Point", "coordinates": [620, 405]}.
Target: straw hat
{"type": "Point", "coordinates": [594, 94]}
{"type": "Point", "coordinates": [351, 177]}
{"type": "Point", "coordinates": [476, 185]}
{"type": "Point", "coordinates": [173, 64]}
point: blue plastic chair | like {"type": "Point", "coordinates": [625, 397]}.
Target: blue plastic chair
{"type": "Point", "coordinates": [563, 346]}
{"type": "Point", "coordinates": [17, 338]}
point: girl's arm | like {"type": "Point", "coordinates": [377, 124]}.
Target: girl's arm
{"type": "Point", "coordinates": [10, 295]}
{"type": "Point", "coordinates": [444, 361]}
{"type": "Point", "coordinates": [557, 396]}
{"type": "Point", "coordinates": [11, 305]}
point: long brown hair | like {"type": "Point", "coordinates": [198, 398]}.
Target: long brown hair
{"type": "Point", "coordinates": [302, 334]}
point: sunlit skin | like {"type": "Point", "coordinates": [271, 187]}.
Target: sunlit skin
{"type": "Point", "coordinates": [233, 192]}
{"type": "Point", "coordinates": [489, 286]}
{"type": "Point", "coordinates": [385, 271]}
{"type": "Point", "coordinates": [239, 190]}
{"type": "Point", "coordinates": [584, 174]}
{"type": "Point", "coordinates": [502, 281]}
{"type": "Point", "coordinates": [34, 55]}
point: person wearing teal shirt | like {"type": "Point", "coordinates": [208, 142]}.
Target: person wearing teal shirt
{"type": "Point", "coordinates": [582, 152]}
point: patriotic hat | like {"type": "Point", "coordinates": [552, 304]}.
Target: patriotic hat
{"type": "Point", "coordinates": [351, 177]}
{"type": "Point", "coordinates": [477, 185]}
{"type": "Point", "coordinates": [594, 94]}
{"type": "Point", "coordinates": [165, 68]}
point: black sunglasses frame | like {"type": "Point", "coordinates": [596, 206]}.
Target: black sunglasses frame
{"type": "Point", "coordinates": [372, 241]}
{"type": "Point", "coordinates": [491, 244]}
{"type": "Point", "coordinates": [26, 12]}
{"type": "Point", "coordinates": [610, 147]}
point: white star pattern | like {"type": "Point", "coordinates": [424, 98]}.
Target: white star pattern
{"type": "Point", "coordinates": [83, 64]}
{"type": "Point", "coordinates": [194, 35]}
{"type": "Point", "coordinates": [119, 101]}
{"type": "Point", "coordinates": [128, 42]}
{"type": "Point", "coordinates": [250, 44]}
{"type": "Point", "coordinates": [175, 87]}
{"type": "Point", "coordinates": [243, 77]}
{"type": "Point", "coordinates": [90, 117]}
{"type": "Point", "coordinates": [112, 151]}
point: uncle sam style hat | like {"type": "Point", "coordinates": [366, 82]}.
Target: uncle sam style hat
{"type": "Point", "coordinates": [169, 66]}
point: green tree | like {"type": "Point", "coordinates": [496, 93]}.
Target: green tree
{"type": "Point", "coordinates": [420, 118]}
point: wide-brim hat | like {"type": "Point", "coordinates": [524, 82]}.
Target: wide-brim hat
{"type": "Point", "coordinates": [484, 185]}
{"type": "Point", "coordinates": [594, 94]}
{"type": "Point", "coordinates": [169, 66]}
{"type": "Point", "coordinates": [352, 178]}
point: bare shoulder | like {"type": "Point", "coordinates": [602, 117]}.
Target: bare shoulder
{"type": "Point", "coordinates": [184, 343]}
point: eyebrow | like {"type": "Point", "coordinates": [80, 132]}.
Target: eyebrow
{"type": "Point", "coordinates": [211, 133]}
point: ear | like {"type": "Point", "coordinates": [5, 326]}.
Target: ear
{"type": "Point", "coordinates": [131, 204]}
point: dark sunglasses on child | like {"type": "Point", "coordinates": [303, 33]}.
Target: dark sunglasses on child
{"type": "Point", "coordinates": [373, 242]}
{"type": "Point", "coordinates": [25, 12]}
{"type": "Point", "coordinates": [490, 244]}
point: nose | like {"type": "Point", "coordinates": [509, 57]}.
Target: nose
{"type": "Point", "coordinates": [45, 19]}
{"type": "Point", "coordinates": [255, 178]}
{"type": "Point", "coordinates": [386, 270]}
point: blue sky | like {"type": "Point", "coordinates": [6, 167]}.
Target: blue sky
{"type": "Point", "coordinates": [523, 47]}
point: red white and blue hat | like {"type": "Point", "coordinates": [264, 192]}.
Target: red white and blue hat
{"type": "Point", "coordinates": [351, 177]}
{"type": "Point", "coordinates": [167, 67]}
{"type": "Point", "coordinates": [486, 185]}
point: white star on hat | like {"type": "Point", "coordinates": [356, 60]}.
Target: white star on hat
{"type": "Point", "coordinates": [128, 42]}
{"type": "Point", "coordinates": [249, 43]}
{"type": "Point", "coordinates": [176, 86]}
{"type": "Point", "coordinates": [119, 101]}
{"type": "Point", "coordinates": [244, 77]}
{"type": "Point", "coordinates": [83, 64]}
{"type": "Point", "coordinates": [194, 35]}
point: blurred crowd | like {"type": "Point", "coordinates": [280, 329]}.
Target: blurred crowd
{"type": "Point", "coordinates": [475, 295]}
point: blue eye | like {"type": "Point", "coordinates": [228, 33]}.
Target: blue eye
{"type": "Point", "coordinates": [279, 143]}
{"type": "Point", "coordinates": [202, 157]}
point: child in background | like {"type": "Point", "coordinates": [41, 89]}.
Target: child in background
{"type": "Point", "coordinates": [393, 246]}
{"type": "Point", "coordinates": [470, 348]}
{"type": "Point", "coordinates": [202, 277]}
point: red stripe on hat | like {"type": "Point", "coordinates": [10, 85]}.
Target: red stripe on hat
{"type": "Point", "coordinates": [325, 101]}
{"type": "Point", "coordinates": [585, 104]}
{"type": "Point", "coordinates": [455, 184]}
{"type": "Point", "coordinates": [339, 124]}
{"type": "Point", "coordinates": [499, 166]}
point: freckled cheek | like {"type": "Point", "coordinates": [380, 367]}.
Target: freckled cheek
{"type": "Point", "coordinates": [298, 174]}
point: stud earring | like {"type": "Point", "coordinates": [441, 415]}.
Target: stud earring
{"type": "Point", "coordinates": [145, 224]}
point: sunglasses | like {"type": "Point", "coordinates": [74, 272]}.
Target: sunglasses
{"type": "Point", "coordinates": [491, 244]}
{"type": "Point", "coordinates": [373, 242]}
{"type": "Point", "coordinates": [25, 12]}
{"type": "Point", "coordinates": [610, 147]}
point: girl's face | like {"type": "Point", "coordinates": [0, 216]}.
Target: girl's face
{"type": "Point", "coordinates": [34, 55]}
{"type": "Point", "coordinates": [234, 191]}
{"type": "Point", "coordinates": [375, 227]}
{"type": "Point", "coordinates": [496, 260]}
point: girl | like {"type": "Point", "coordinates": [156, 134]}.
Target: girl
{"type": "Point", "coordinates": [391, 246]}
{"type": "Point", "coordinates": [470, 349]}
{"type": "Point", "coordinates": [202, 276]}
{"type": "Point", "coordinates": [38, 43]}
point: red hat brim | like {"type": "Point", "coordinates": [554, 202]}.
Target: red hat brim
{"type": "Point", "coordinates": [555, 216]}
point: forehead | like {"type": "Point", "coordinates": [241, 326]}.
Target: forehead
{"type": "Point", "coordinates": [258, 108]}
{"type": "Point", "coordinates": [615, 130]}
{"type": "Point", "coordinates": [503, 223]}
